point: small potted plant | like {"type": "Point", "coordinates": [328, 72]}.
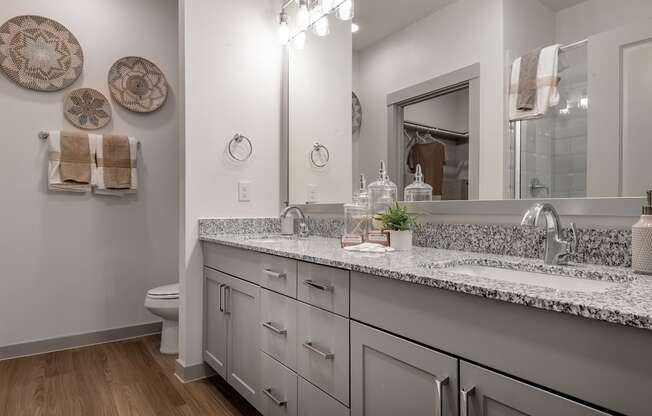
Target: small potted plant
{"type": "Point", "coordinates": [399, 223]}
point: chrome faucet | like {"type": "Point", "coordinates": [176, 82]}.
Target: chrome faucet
{"type": "Point", "coordinates": [287, 224]}
{"type": "Point", "coordinates": [557, 250]}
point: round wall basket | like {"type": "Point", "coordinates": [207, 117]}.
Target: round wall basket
{"type": "Point", "coordinates": [138, 85]}
{"type": "Point", "coordinates": [87, 109]}
{"type": "Point", "coordinates": [39, 53]}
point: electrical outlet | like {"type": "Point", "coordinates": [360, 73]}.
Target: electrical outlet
{"type": "Point", "coordinates": [313, 194]}
{"type": "Point", "coordinates": [244, 191]}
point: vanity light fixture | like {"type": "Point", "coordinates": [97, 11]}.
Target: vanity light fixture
{"type": "Point", "coordinates": [284, 28]}
{"type": "Point", "coordinates": [346, 10]}
{"type": "Point", "coordinates": [303, 15]}
{"type": "Point", "coordinates": [317, 19]}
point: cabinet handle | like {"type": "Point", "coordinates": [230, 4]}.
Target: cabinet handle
{"type": "Point", "coordinates": [278, 402]}
{"type": "Point", "coordinates": [325, 355]}
{"type": "Point", "coordinates": [271, 327]}
{"type": "Point", "coordinates": [227, 300]}
{"type": "Point", "coordinates": [440, 395]}
{"type": "Point", "coordinates": [466, 394]}
{"type": "Point", "coordinates": [272, 273]}
{"type": "Point", "coordinates": [317, 285]}
{"type": "Point", "coordinates": [221, 286]}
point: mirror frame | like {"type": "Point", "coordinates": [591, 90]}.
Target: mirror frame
{"type": "Point", "coordinates": [578, 207]}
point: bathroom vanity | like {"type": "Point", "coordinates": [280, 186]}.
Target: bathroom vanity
{"type": "Point", "coordinates": [301, 327]}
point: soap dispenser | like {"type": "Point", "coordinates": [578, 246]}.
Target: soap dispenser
{"type": "Point", "coordinates": [418, 190]}
{"type": "Point", "coordinates": [642, 240]}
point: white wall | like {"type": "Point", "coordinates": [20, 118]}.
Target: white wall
{"type": "Point", "coordinates": [320, 111]}
{"type": "Point", "coordinates": [462, 34]}
{"type": "Point", "coordinates": [450, 111]}
{"type": "Point", "coordinates": [80, 263]}
{"type": "Point", "coordinates": [232, 84]}
{"type": "Point", "coordinates": [596, 16]}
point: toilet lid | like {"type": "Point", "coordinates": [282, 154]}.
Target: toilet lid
{"type": "Point", "coordinates": [165, 292]}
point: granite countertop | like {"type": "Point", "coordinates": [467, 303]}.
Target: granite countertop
{"type": "Point", "coordinates": [628, 301]}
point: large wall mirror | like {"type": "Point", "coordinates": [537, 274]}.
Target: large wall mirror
{"type": "Point", "coordinates": [434, 83]}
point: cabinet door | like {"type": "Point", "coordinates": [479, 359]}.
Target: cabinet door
{"type": "Point", "coordinates": [215, 324]}
{"type": "Point", "coordinates": [278, 388]}
{"type": "Point", "coordinates": [242, 306]}
{"type": "Point", "coordinates": [391, 376]}
{"type": "Point", "coordinates": [485, 393]}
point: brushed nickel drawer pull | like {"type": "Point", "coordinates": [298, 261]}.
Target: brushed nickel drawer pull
{"type": "Point", "coordinates": [318, 285]}
{"type": "Point", "coordinates": [278, 402]}
{"type": "Point", "coordinates": [325, 355]}
{"type": "Point", "coordinates": [271, 327]}
{"type": "Point", "coordinates": [440, 395]}
{"type": "Point", "coordinates": [466, 394]}
{"type": "Point", "coordinates": [272, 273]}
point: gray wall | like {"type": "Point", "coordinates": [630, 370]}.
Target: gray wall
{"type": "Point", "coordinates": [80, 263]}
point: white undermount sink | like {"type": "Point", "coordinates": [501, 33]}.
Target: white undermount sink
{"type": "Point", "coordinates": [537, 279]}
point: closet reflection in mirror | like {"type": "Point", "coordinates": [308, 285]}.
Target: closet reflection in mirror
{"type": "Point", "coordinates": [436, 135]}
{"type": "Point", "coordinates": [494, 99]}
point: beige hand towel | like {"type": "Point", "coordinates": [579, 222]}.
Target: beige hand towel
{"type": "Point", "coordinates": [55, 181]}
{"type": "Point", "coordinates": [527, 81]}
{"type": "Point", "coordinates": [75, 158]}
{"type": "Point", "coordinates": [116, 162]}
{"type": "Point", "coordinates": [115, 178]}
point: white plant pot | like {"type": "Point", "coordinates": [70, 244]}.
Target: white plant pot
{"type": "Point", "coordinates": [400, 240]}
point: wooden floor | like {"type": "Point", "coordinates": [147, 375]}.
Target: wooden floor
{"type": "Point", "coordinates": [122, 378]}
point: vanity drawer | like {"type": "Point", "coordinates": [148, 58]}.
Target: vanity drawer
{"type": "Point", "coordinates": [278, 274]}
{"type": "Point", "coordinates": [323, 350]}
{"type": "Point", "coordinates": [278, 319]}
{"type": "Point", "coordinates": [275, 273]}
{"type": "Point", "coordinates": [314, 402]}
{"type": "Point", "coordinates": [324, 287]}
{"type": "Point", "coordinates": [278, 394]}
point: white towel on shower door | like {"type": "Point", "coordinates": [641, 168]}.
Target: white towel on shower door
{"type": "Point", "coordinates": [547, 81]}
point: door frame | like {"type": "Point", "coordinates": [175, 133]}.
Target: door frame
{"type": "Point", "coordinates": [467, 77]}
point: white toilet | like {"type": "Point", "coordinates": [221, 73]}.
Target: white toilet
{"type": "Point", "coordinates": [164, 302]}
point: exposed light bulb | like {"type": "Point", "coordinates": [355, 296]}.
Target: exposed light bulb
{"type": "Point", "coordinates": [355, 28]}
{"type": "Point", "coordinates": [303, 15]}
{"type": "Point", "coordinates": [326, 6]}
{"type": "Point", "coordinates": [300, 40]}
{"type": "Point", "coordinates": [321, 27]}
{"type": "Point", "coordinates": [346, 10]}
{"type": "Point", "coordinates": [283, 29]}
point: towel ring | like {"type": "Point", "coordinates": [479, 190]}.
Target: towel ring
{"type": "Point", "coordinates": [43, 135]}
{"type": "Point", "coordinates": [240, 141]}
{"type": "Point", "coordinates": [319, 156]}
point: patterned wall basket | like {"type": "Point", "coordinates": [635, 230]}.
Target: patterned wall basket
{"type": "Point", "coordinates": [87, 109]}
{"type": "Point", "coordinates": [138, 85]}
{"type": "Point", "coordinates": [39, 53]}
{"type": "Point", "coordinates": [357, 114]}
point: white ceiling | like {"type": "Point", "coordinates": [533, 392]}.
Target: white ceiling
{"type": "Point", "coordinates": [380, 18]}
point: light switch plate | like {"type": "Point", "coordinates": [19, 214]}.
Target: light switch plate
{"type": "Point", "coordinates": [244, 191]}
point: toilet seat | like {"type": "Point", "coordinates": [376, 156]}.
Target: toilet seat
{"type": "Point", "coordinates": [164, 292]}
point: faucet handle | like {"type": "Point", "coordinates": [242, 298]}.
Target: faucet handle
{"type": "Point", "coordinates": [304, 231]}
{"type": "Point", "coordinates": [573, 243]}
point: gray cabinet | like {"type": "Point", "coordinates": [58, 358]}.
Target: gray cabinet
{"type": "Point", "coordinates": [232, 312]}
{"type": "Point", "coordinates": [216, 322]}
{"type": "Point", "coordinates": [391, 376]}
{"type": "Point", "coordinates": [485, 393]}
